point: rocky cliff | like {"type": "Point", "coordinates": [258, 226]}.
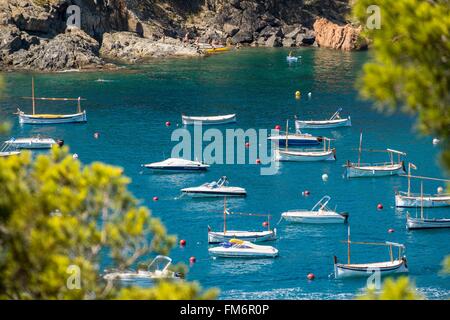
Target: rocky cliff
{"type": "Point", "coordinates": [34, 34]}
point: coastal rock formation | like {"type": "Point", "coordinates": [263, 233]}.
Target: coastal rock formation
{"type": "Point", "coordinates": [34, 34]}
{"type": "Point", "coordinates": [128, 47]}
{"type": "Point", "coordinates": [331, 35]}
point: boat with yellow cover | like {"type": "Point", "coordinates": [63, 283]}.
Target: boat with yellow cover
{"type": "Point", "coordinates": [34, 118]}
{"type": "Point", "coordinates": [217, 50]}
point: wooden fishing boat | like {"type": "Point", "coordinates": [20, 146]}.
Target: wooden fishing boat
{"type": "Point", "coordinates": [325, 154]}
{"type": "Point", "coordinates": [208, 120]}
{"type": "Point", "coordinates": [415, 200]}
{"type": "Point", "coordinates": [394, 265]}
{"type": "Point", "coordinates": [319, 214]}
{"type": "Point", "coordinates": [236, 248]}
{"type": "Point", "coordinates": [334, 122]}
{"type": "Point", "coordinates": [34, 118]}
{"type": "Point", "coordinates": [215, 189]}
{"type": "Point", "coordinates": [393, 167]}
{"type": "Point", "coordinates": [298, 139]}
{"type": "Point", "coordinates": [251, 236]}
{"type": "Point", "coordinates": [425, 222]}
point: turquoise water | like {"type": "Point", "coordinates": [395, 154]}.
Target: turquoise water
{"type": "Point", "coordinates": [130, 113]}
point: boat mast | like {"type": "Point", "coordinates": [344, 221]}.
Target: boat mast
{"type": "Point", "coordinates": [79, 104]}
{"type": "Point", "coordinates": [224, 215]}
{"type": "Point", "coordinates": [32, 95]}
{"type": "Point", "coordinates": [348, 245]}
{"type": "Point", "coordinates": [421, 200]}
{"type": "Point", "coordinates": [360, 148]}
{"type": "Point", "coordinates": [287, 134]}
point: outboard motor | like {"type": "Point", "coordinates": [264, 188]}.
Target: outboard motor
{"type": "Point", "coordinates": [60, 142]}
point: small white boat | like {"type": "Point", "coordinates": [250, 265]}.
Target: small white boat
{"type": "Point", "coordinates": [158, 269]}
{"type": "Point", "coordinates": [334, 122]}
{"type": "Point", "coordinates": [292, 59]}
{"type": "Point", "coordinates": [7, 150]}
{"type": "Point", "coordinates": [394, 265]}
{"type": "Point", "coordinates": [416, 200]}
{"type": "Point", "coordinates": [33, 143]}
{"type": "Point", "coordinates": [425, 222]}
{"type": "Point", "coordinates": [298, 139]}
{"type": "Point", "coordinates": [325, 154]}
{"type": "Point", "coordinates": [319, 214]}
{"type": "Point", "coordinates": [208, 120]}
{"type": "Point", "coordinates": [177, 165]}
{"type": "Point", "coordinates": [358, 170]}
{"type": "Point", "coordinates": [251, 236]}
{"type": "Point", "coordinates": [236, 248]}
{"type": "Point", "coordinates": [215, 189]}
{"type": "Point", "coordinates": [34, 118]}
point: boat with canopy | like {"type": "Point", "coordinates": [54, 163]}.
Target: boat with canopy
{"type": "Point", "coordinates": [393, 167]}
{"type": "Point", "coordinates": [319, 214]}
{"type": "Point", "coordinates": [33, 143]}
{"type": "Point", "coordinates": [423, 222]}
{"type": "Point", "coordinates": [7, 150]}
{"type": "Point", "coordinates": [35, 118]}
{"type": "Point", "coordinates": [251, 236]}
{"type": "Point", "coordinates": [208, 120]}
{"type": "Point", "coordinates": [236, 248]}
{"type": "Point", "coordinates": [157, 269]}
{"type": "Point", "coordinates": [334, 122]}
{"type": "Point", "coordinates": [415, 200]}
{"type": "Point", "coordinates": [396, 264]}
{"type": "Point", "coordinates": [217, 188]}
{"type": "Point", "coordinates": [297, 139]}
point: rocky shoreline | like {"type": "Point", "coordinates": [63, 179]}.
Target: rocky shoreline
{"type": "Point", "coordinates": [34, 35]}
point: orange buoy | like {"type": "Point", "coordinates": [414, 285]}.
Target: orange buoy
{"type": "Point", "coordinates": [380, 206]}
{"type": "Point", "coordinates": [277, 127]}
{"type": "Point", "coordinates": [265, 224]}
{"type": "Point", "coordinates": [182, 242]}
{"type": "Point", "coordinates": [311, 276]}
{"type": "Point", "coordinates": [155, 198]}
{"type": "Point", "coordinates": [192, 260]}
{"type": "Point", "coordinates": [168, 123]}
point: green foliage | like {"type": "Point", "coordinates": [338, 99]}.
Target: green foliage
{"type": "Point", "coordinates": [402, 289]}
{"type": "Point", "coordinates": [446, 265]}
{"type": "Point", "coordinates": [410, 69]}
{"type": "Point", "coordinates": [56, 213]}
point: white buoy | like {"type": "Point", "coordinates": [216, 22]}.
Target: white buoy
{"type": "Point", "coordinates": [75, 156]}
{"type": "Point", "coordinates": [309, 94]}
{"type": "Point", "coordinates": [325, 177]}
{"type": "Point", "coordinates": [440, 190]}
{"type": "Point", "coordinates": [436, 141]}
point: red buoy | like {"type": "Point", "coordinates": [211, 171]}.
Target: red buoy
{"type": "Point", "coordinates": [306, 193]}
{"type": "Point", "coordinates": [311, 276]}
{"type": "Point", "coordinates": [379, 206]}
{"type": "Point", "coordinates": [247, 144]}
{"type": "Point", "coordinates": [265, 224]}
{"type": "Point", "coordinates": [258, 161]}
{"type": "Point", "coordinates": [155, 198]}
{"type": "Point", "coordinates": [167, 123]}
{"type": "Point", "coordinates": [391, 230]}
{"type": "Point", "coordinates": [182, 242]}
{"type": "Point", "coordinates": [277, 127]}
{"type": "Point", "coordinates": [192, 259]}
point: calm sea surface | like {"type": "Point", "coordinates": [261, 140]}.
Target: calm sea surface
{"type": "Point", "coordinates": [130, 111]}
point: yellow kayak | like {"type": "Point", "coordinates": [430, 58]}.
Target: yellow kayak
{"type": "Point", "coordinates": [217, 50]}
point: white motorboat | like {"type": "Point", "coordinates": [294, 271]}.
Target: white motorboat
{"type": "Point", "coordinates": [157, 269]}
{"type": "Point", "coordinates": [177, 165]}
{"type": "Point", "coordinates": [236, 248]}
{"type": "Point", "coordinates": [425, 222]}
{"type": "Point", "coordinates": [416, 200]}
{"type": "Point", "coordinates": [215, 189]}
{"type": "Point", "coordinates": [319, 214]}
{"type": "Point", "coordinates": [391, 168]}
{"type": "Point", "coordinates": [334, 122]}
{"type": "Point", "coordinates": [33, 143]}
{"type": "Point", "coordinates": [208, 120]}
{"type": "Point", "coordinates": [7, 150]}
{"type": "Point", "coordinates": [251, 236]}
{"type": "Point", "coordinates": [394, 265]}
